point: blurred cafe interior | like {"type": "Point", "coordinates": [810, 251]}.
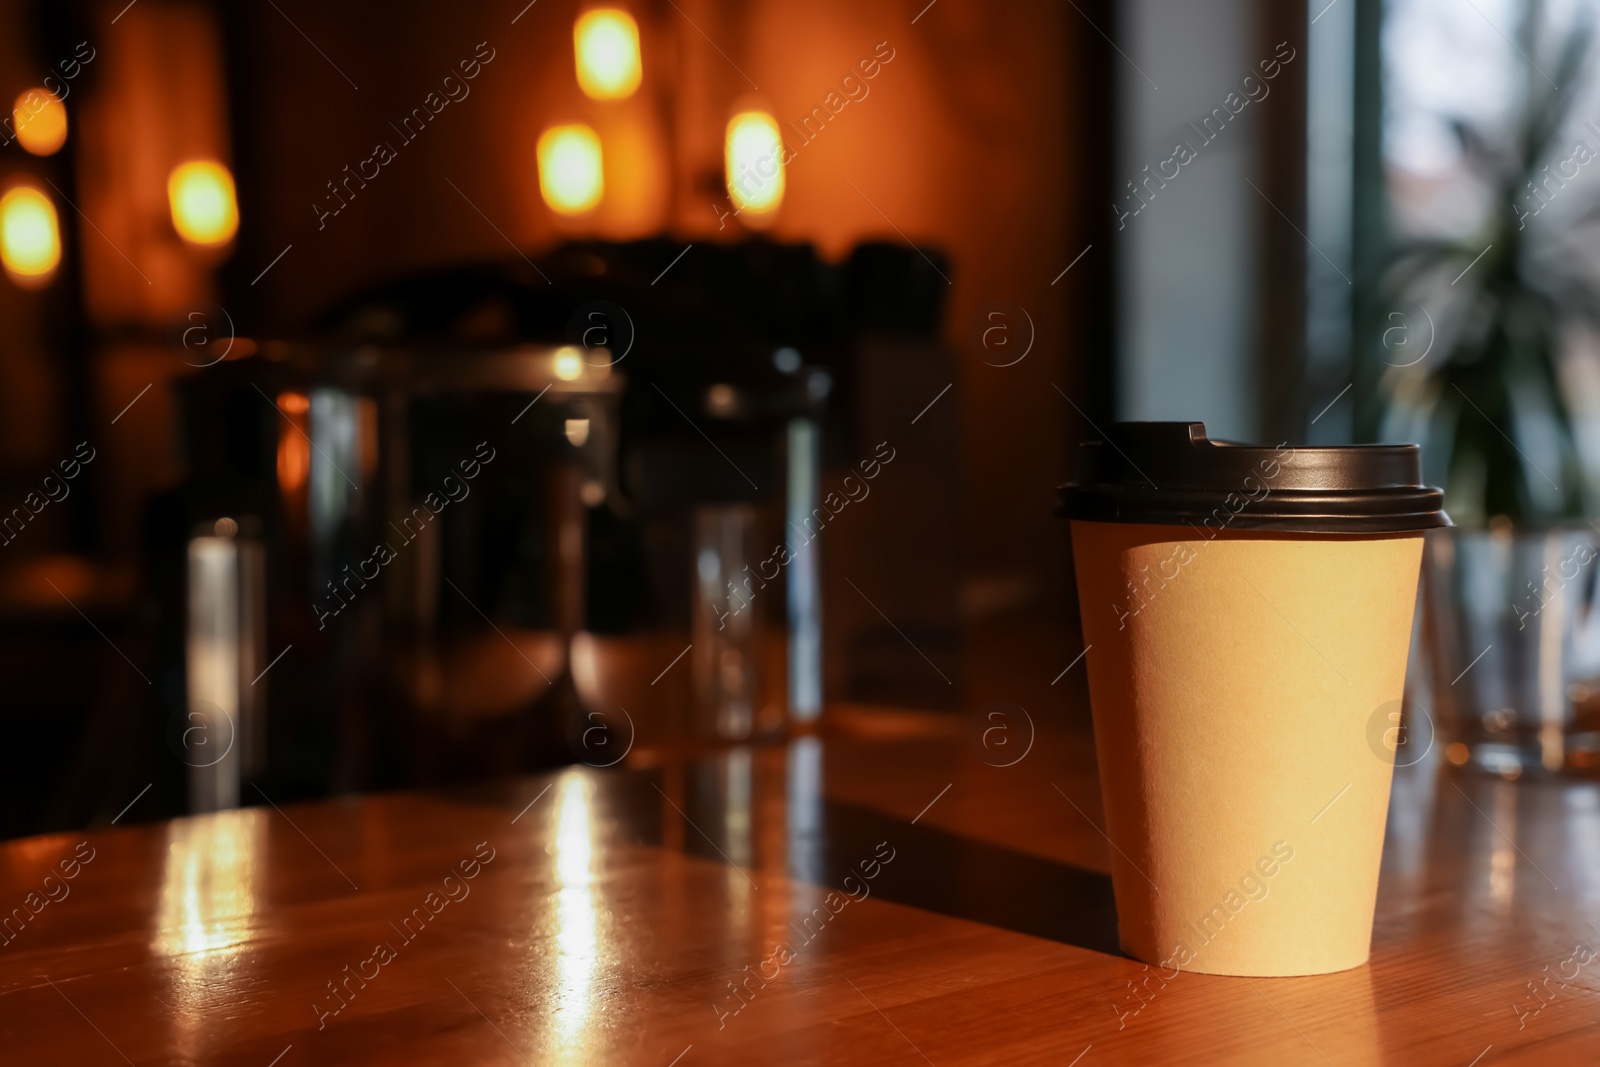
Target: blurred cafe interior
{"type": "Point", "coordinates": [427, 387]}
{"type": "Point", "coordinates": [393, 400]}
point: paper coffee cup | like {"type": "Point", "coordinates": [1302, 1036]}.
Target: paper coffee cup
{"type": "Point", "coordinates": [1247, 610]}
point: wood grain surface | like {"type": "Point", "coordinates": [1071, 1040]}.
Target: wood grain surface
{"type": "Point", "coordinates": [881, 892]}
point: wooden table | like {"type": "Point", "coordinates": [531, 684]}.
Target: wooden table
{"type": "Point", "coordinates": [934, 908]}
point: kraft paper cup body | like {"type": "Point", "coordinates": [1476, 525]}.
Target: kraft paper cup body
{"type": "Point", "coordinates": [1232, 688]}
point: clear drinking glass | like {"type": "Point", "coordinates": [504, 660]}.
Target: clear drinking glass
{"type": "Point", "coordinates": [1511, 629]}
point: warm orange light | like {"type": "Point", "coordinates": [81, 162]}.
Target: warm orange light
{"type": "Point", "coordinates": [204, 211]}
{"type": "Point", "coordinates": [570, 178]}
{"type": "Point", "coordinates": [605, 42]}
{"type": "Point", "coordinates": [569, 364]}
{"type": "Point", "coordinates": [754, 162]}
{"type": "Point", "coordinates": [41, 121]}
{"type": "Point", "coordinates": [30, 238]}
{"type": "Point", "coordinates": [294, 448]}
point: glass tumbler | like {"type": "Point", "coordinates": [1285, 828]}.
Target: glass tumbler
{"type": "Point", "coordinates": [1511, 629]}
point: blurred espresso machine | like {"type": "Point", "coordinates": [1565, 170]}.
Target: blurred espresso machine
{"type": "Point", "coordinates": [514, 515]}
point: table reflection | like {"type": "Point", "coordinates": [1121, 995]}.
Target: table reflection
{"type": "Point", "coordinates": [576, 920]}
{"type": "Point", "coordinates": [210, 883]}
{"type": "Point", "coordinates": [211, 890]}
{"type": "Point", "coordinates": [804, 814]}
